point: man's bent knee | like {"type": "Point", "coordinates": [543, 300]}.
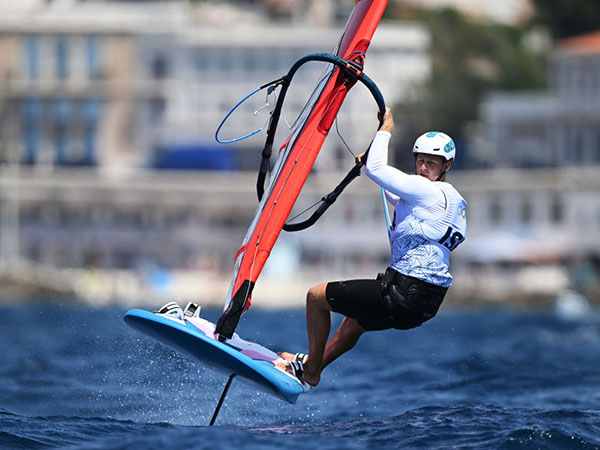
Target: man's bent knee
{"type": "Point", "coordinates": [316, 297]}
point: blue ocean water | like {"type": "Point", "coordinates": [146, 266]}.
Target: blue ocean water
{"type": "Point", "coordinates": [78, 377]}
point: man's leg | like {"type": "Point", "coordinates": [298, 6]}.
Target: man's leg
{"type": "Point", "coordinates": [343, 340]}
{"type": "Point", "coordinates": [318, 325]}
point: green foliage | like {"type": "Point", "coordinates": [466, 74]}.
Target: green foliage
{"type": "Point", "coordinates": [468, 58]}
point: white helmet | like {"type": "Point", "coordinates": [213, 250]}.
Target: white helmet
{"type": "Point", "coordinates": [435, 143]}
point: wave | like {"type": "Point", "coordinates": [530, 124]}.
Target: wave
{"type": "Point", "coordinates": [21, 431]}
{"type": "Point", "coordinates": [460, 426]}
{"type": "Point", "coordinates": [457, 426]}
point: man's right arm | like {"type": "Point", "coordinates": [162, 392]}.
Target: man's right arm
{"type": "Point", "coordinates": [414, 189]}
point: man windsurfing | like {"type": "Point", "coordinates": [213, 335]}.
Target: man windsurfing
{"type": "Point", "coordinates": [429, 222]}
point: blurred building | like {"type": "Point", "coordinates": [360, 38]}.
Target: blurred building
{"type": "Point", "coordinates": [219, 66]}
{"type": "Point", "coordinates": [549, 214]}
{"type": "Point", "coordinates": [508, 12]}
{"type": "Point", "coordinates": [130, 85]}
{"type": "Point", "coordinates": [73, 89]}
{"type": "Point", "coordinates": [94, 94]}
{"type": "Point", "coordinates": [549, 129]}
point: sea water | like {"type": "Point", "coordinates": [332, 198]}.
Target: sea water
{"type": "Point", "coordinates": [79, 377]}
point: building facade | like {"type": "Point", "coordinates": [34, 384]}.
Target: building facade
{"type": "Point", "coordinates": [559, 128]}
{"type": "Point", "coordinates": [127, 86]}
{"type": "Point", "coordinates": [92, 100]}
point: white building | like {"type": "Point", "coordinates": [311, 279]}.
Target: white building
{"type": "Point", "coordinates": [128, 85]}
{"type": "Point", "coordinates": [508, 11]}
{"type": "Point", "coordinates": [549, 129]}
{"type": "Point", "coordinates": [546, 218]}
{"type": "Point", "coordinates": [93, 93]}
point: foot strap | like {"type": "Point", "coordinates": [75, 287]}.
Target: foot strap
{"type": "Point", "coordinates": [192, 310]}
{"type": "Point", "coordinates": [300, 357]}
{"type": "Point", "coordinates": [297, 369]}
{"type": "Point", "coordinates": [171, 309]}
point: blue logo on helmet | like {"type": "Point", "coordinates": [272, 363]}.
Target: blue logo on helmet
{"type": "Point", "coordinates": [449, 146]}
{"type": "Point", "coordinates": [432, 133]}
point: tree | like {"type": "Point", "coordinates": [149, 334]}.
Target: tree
{"type": "Point", "coordinates": [468, 58]}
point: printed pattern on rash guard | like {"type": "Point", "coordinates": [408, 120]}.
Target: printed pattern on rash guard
{"type": "Point", "coordinates": [430, 218]}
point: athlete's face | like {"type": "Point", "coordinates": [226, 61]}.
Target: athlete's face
{"type": "Point", "coordinates": [430, 166]}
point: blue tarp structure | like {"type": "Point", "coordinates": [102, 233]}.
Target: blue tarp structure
{"type": "Point", "coordinates": [195, 156]}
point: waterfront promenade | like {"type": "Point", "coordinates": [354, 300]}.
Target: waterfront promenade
{"type": "Point", "coordinates": [149, 236]}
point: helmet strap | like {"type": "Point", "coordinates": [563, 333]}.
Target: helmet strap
{"type": "Point", "coordinates": [445, 171]}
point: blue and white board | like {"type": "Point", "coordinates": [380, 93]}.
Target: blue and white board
{"type": "Point", "coordinates": [195, 336]}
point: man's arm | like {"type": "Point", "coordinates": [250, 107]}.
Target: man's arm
{"type": "Point", "coordinates": [393, 199]}
{"type": "Point", "coordinates": [414, 189]}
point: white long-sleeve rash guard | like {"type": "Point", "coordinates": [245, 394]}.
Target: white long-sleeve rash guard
{"type": "Point", "coordinates": [414, 189]}
{"type": "Point", "coordinates": [430, 217]}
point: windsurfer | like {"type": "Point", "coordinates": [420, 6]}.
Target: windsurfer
{"type": "Point", "coordinates": [429, 222]}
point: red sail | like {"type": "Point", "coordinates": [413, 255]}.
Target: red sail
{"type": "Point", "coordinates": [298, 155]}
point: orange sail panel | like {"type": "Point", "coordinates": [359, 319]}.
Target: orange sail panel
{"type": "Point", "coordinates": [295, 161]}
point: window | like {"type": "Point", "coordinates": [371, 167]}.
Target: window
{"type": "Point", "coordinates": [93, 57]}
{"type": "Point", "coordinates": [575, 144]}
{"type": "Point", "coordinates": [32, 57]}
{"type": "Point", "coordinates": [526, 209]}
{"type": "Point", "coordinates": [60, 145]}
{"type": "Point", "coordinates": [201, 60]}
{"type": "Point", "coordinates": [250, 61]}
{"type": "Point", "coordinates": [160, 67]}
{"type": "Point", "coordinates": [61, 115]}
{"type": "Point", "coordinates": [273, 60]}
{"type": "Point", "coordinates": [495, 211]}
{"type": "Point", "coordinates": [91, 116]}
{"type": "Point", "coordinates": [62, 111]}
{"type": "Point", "coordinates": [157, 108]}
{"type": "Point", "coordinates": [556, 210]}
{"type": "Point", "coordinates": [91, 111]}
{"type": "Point", "coordinates": [225, 62]}
{"type": "Point", "coordinates": [596, 148]}
{"type": "Point", "coordinates": [31, 112]}
{"type": "Point", "coordinates": [62, 57]}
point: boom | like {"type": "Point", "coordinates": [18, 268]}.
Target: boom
{"type": "Point", "coordinates": [298, 154]}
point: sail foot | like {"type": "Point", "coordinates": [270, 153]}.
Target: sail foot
{"type": "Point", "coordinates": [228, 321]}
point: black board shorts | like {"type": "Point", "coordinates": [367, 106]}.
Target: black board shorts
{"type": "Point", "coordinates": [392, 300]}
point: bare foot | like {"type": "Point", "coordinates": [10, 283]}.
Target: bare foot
{"type": "Point", "coordinates": [307, 377]}
{"type": "Point", "coordinates": [293, 357]}
{"type": "Point", "coordinates": [286, 356]}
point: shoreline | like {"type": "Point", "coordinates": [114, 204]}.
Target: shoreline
{"type": "Point", "coordinates": [268, 295]}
